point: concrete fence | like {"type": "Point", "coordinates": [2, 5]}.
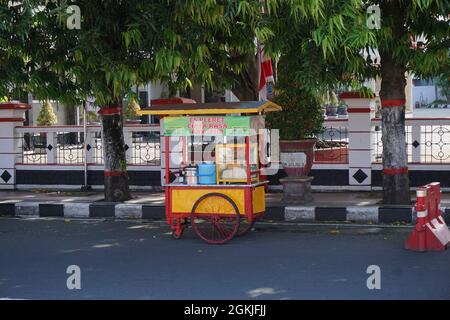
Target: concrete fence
{"type": "Point", "coordinates": [59, 156]}
{"type": "Point", "coordinates": [348, 157]}
{"type": "Point", "coordinates": [354, 159]}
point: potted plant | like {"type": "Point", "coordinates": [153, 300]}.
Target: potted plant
{"type": "Point", "coordinates": [131, 112]}
{"type": "Point", "coordinates": [92, 118]}
{"type": "Point", "coordinates": [330, 100]}
{"type": "Point", "coordinates": [342, 109]}
{"type": "Point", "coordinates": [299, 122]}
{"type": "Point", "coordinates": [46, 117]}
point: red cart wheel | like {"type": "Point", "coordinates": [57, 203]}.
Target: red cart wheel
{"type": "Point", "coordinates": [176, 234]}
{"type": "Point", "coordinates": [178, 229]}
{"type": "Point", "coordinates": [215, 218]}
{"type": "Point", "coordinates": [245, 227]}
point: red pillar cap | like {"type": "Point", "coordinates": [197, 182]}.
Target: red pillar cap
{"type": "Point", "coordinates": [355, 95]}
{"type": "Point", "coordinates": [13, 105]}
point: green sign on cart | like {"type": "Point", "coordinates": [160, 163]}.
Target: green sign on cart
{"type": "Point", "coordinates": [208, 126]}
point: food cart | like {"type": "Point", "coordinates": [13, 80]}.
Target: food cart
{"type": "Point", "coordinates": [211, 166]}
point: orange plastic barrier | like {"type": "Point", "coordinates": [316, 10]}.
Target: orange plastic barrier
{"type": "Point", "coordinates": [430, 233]}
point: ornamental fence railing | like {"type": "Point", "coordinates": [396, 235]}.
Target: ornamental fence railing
{"type": "Point", "coordinates": [70, 145]}
{"type": "Point", "coordinates": [427, 140]}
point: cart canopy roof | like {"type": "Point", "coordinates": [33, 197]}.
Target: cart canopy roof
{"type": "Point", "coordinates": [247, 107]}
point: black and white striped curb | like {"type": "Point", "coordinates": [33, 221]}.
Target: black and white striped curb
{"type": "Point", "coordinates": [82, 210]}
{"type": "Point", "coordinates": [357, 214]}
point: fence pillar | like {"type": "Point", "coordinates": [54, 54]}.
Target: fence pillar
{"type": "Point", "coordinates": [416, 143]}
{"type": "Point", "coordinates": [51, 147]}
{"type": "Point", "coordinates": [128, 139]}
{"type": "Point", "coordinates": [90, 146]}
{"type": "Point", "coordinates": [360, 112]}
{"type": "Point", "coordinates": [12, 114]}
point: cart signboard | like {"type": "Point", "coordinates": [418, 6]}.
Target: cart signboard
{"type": "Point", "coordinates": [209, 125]}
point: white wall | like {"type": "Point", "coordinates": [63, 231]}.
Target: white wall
{"type": "Point", "coordinates": [156, 89]}
{"type": "Point", "coordinates": [230, 97]}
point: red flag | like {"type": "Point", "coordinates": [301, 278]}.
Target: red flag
{"type": "Point", "coordinates": [265, 75]}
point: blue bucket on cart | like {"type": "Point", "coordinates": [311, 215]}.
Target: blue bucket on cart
{"type": "Point", "coordinates": [206, 173]}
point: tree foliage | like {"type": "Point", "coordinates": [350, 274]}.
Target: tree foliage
{"type": "Point", "coordinates": [351, 51]}
{"type": "Point", "coordinates": [124, 43]}
{"type": "Point", "coordinates": [336, 44]}
{"type": "Point", "coordinates": [302, 116]}
{"type": "Point", "coordinates": [15, 24]}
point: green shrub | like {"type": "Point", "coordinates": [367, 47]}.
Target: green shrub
{"type": "Point", "coordinates": [302, 115]}
{"type": "Point", "coordinates": [46, 116]}
{"type": "Point", "coordinates": [92, 116]}
{"type": "Point", "coordinates": [131, 112]}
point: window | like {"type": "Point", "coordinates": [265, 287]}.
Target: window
{"type": "Point", "coordinates": [423, 82]}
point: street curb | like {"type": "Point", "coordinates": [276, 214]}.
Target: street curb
{"type": "Point", "coordinates": [81, 210]}
{"type": "Point", "coordinates": [342, 214]}
{"type": "Point", "coordinates": [358, 214]}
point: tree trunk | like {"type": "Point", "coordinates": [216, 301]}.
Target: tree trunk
{"type": "Point", "coordinates": [246, 88]}
{"type": "Point", "coordinates": [116, 177]}
{"type": "Point", "coordinates": [395, 159]}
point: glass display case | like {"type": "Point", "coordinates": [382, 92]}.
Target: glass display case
{"type": "Point", "coordinates": [231, 162]}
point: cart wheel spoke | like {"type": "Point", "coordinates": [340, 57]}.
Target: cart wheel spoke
{"type": "Point", "coordinates": [245, 227]}
{"type": "Point", "coordinates": [215, 218]}
{"type": "Point", "coordinates": [220, 229]}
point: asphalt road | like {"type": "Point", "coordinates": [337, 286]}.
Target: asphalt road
{"type": "Point", "coordinates": [135, 260]}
